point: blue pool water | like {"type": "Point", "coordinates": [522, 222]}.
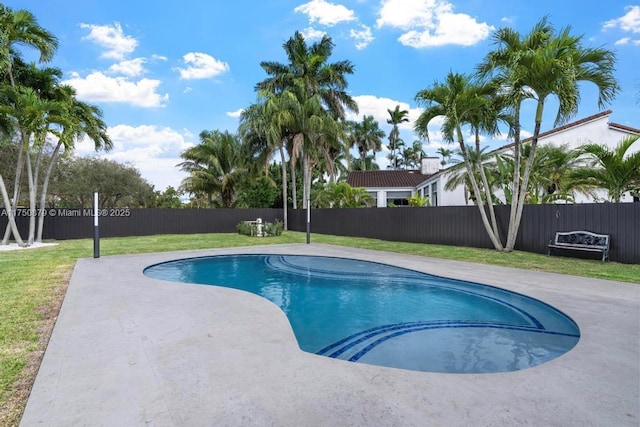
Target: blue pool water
{"type": "Point", "coordinates": [383, 315]}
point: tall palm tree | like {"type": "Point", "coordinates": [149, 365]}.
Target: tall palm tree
{"type": "Point", "coordinates": [80, 120]}
{"type": "Point", "coordinates": [213, 167]}
{"type": "Point", "coordinates": [396, 117]}
{"type": "Point", "coordinates": [367, 164]}
{"type": "Point", "coordinates": [263, 131]}
{"type": "Point", "coordinates": [446, 154]}
{"type": "Point", "coordinates": [309, 81]}
{"type": "Point", "coordinates": [308, 65]}
{"type": "Point", "coordinates": [410, 156]}
{"type": "Point", "coordinates": [535, 66]}
{"type": "Point", "coordinates": [314, 130]}
{"type": "Point", "coordinates": [611, 169]}
{"type": "Point", "coordinates": [367, 136]}
{"type": "Point", "coordinates": [20, 28]}
{"type": "Point", "coordinates": [461, 101]}
{"type": "Point", "coordinates": [33, 117]}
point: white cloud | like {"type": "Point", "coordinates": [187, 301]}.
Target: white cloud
{"type": "Point", "coordinates": [370, 105]}
{"type": "Point", "coordinates": [311, 33]}
{"type": "Point", "coordinates": [363, 36]}
{"type": "Point", "coordinates": [626, 40]}
{"type": "Point", "coordinates": [201, 66]}
{"type": "Point", "coordinates": [235, 114]}
{"type": "Point", "coordinates": [431, 23]}
{"type": "Point", "coordinates": [112, 38]}
{"type": "Point", "coordinates": [159, 57]}
{"type": "Point", "coordinates": [629, 22]}
{"type": "Point", "coordinates": [326, 13]}
{"type": "Point", "coordinates": [97, 87]}
{"type": "Point", "coordinates": [153, 150]}
{"type": "Point", "coordinates": [131, 67]}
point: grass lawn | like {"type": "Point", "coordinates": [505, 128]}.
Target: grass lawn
{"type": "Point", "coordinates": [33, 283]}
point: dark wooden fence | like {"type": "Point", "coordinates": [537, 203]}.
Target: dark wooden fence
{"type": "Point", "coordinates": [462, 225]}
{"type": "Point", "coordinates": [448, 225]}
{"type": "Point", "coordinates": [78, 223]}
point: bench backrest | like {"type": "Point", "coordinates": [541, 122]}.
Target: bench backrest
{"type": "Point", "coordinates": [586, 238]}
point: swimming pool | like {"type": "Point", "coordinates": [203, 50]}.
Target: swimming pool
{"type": "Point", "coordinates": [379, 314]}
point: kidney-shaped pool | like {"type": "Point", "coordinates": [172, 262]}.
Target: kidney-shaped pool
{"type": "Point", "coordinates": [379, 314]}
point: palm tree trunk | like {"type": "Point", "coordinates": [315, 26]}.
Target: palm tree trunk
{"type": "Point", "coordinates": [32, 202]}
{"type": "Point", "coordinates": [16, 189]}
{"type": "Point", "coordinates": [283, 165]}
{"type": "Point", "coordinates": [515, 226]}
{"type": "Point", "coordinates": [515, 184]}
{"type": "Point", "coordinates": [487, 190]}
{"type": "Point", "coordinates": [305, 178]}
{"type": "Point", "coordinates": [45, 186]}
{"type": "Point", "coordinates": [476, 192]}
{"type": "Point", "coordinates": [10, 214]}
{"type": "Point", "coordinates": [294, 194]}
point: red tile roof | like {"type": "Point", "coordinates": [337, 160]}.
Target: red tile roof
{"type": "Point", "coordinates": [386, 178]}
{"type": "Point", "coordinates": [624, 128]}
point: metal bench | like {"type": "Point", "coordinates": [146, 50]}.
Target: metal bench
{"type": "Point", "coordinates": [581, 241]}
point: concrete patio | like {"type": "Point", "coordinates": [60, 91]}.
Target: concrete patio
{"type": "Point", "coordinates": [128, 350]}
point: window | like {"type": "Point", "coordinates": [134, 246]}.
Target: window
{"type": "Point", "coordinates": [434, 194]}
{"type": "Point", "coordinates": [398, 198]}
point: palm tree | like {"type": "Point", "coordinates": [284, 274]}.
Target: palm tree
{"type": "Point", "coordinates": [396, 117]}
{"type": "Point", "coordinates": [342, 195]}
{"type": "Point", "coordinates": [461, 101]}
{"type": "Point", "coordinates": [458, 174]}
{"type": "Point", "coordinates": [213, 167]}
{"type": "Point", "coordinates": [446, 155]}
{"type": "Point", "coordinates": [310, 83]}
{"type": "Point", "coordinates": [611, 169]}
{"type": "Point", "coordinates": [80, 119]}
{"type": "Point", "coordinates": [21, 27]}
{"type": "Point", "coordinates": [552, 173]}
{"type": "Point", "coordinates": [33, 117]}
{"type": "Point", "coordinates": [535, 66]}
{"type": "Point", "coordinates": [410, 156]}
{"type": "Point", "coordinates": [367, 136]}
{"type": "Point", "coordinates": [263, 131]}
{"type": "Point", "coordinates": [367, 164]}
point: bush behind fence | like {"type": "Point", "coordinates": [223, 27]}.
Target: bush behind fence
{"type": "Point", "coordinates": [448, 225]}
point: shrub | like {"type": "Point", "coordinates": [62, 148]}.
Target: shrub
{"type": "Point", "coordinates": [245, 228]}
{"type": "Point", "coordinates": [268, 228]}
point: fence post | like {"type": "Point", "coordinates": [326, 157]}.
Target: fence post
{"type": "Point", "coordinates": [96, 232]}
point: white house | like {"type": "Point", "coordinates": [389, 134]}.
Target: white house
{"type": "Point", "coordinates": [394, 186]}
{"type": "Point", "coordinates": [390, 186]}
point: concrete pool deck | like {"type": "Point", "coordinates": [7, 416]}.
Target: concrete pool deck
{"type": "Point", "coordinates": [128, 350]}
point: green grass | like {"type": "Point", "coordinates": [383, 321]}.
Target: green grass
{"type": "Point", "coordinates": [32, 284]}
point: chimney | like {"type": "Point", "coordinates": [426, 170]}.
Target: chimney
{"type": "Point", "coordinates": [429, 165]}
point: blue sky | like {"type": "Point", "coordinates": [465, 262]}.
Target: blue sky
{"type": "Point", "coordinates": [164, 71]}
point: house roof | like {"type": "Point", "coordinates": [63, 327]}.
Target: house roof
{"type": "Point", "coordinates": [385, 178]}
{"type": "Point", "coordinates": [624, 128]}
{"type": "Point", "coordinates": [561, 128]}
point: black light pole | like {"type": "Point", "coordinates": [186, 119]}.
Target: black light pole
{"type": "Point", "coordinates": [308, 221]}
{"type": "Point", "coordinates": [96, 232]}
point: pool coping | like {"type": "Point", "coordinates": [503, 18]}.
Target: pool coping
{"type": "Point", "coordinates": [131, 350]}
